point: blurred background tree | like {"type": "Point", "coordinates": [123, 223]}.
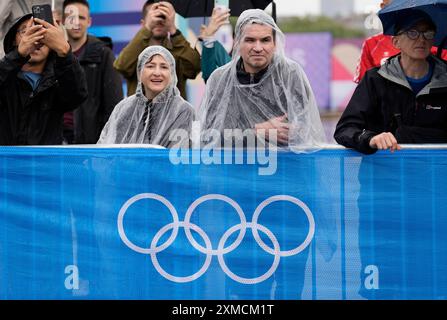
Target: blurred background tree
{"type": "Point", "coordinates": [339, 29]}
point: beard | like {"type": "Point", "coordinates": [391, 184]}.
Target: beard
{"type": "Point", "coordinates": [160, 34]}
{"type": "Point", "coordinates": [75, 36]}
{"type": "Point", "coordinates": [159, 37]}
{"type": "Point", "coordinates": [259, 64]}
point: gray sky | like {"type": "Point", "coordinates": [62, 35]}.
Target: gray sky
{"type": "Point", "coordinates": [305, 7]}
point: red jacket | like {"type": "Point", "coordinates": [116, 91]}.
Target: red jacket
{"type": "Point", "coordinates": [376, 50]}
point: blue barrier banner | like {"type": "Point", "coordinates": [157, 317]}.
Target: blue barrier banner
{"type": "Point", "coordinates": [88, 223]}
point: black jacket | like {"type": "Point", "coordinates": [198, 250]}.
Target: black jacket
{"type": "Point", "coordinates": [384, 102]}
{"type": "Point", "coordinates": [104, 91]}
{"type": "Point", "coordinates": [246, 78]}
{"type": "Point", "coordinates": [35, 118]}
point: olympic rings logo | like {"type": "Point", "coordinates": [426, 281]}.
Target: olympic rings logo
{"type": "Point", "coordinates": [221, 250]}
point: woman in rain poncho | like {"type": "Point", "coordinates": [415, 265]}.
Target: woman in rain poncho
{"type": "Point", "coordinates": [277, 97]}
{"type": "Point", "coordinates": [156, 114]}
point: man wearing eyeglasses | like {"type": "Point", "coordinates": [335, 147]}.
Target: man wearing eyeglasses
{"type": "Point", "coordinates": [404, 100]}
{"type": "Point", "coordinates": [40, 79]}
{"type": "Point", "coordinates": [11, 10]}
{"type": "Point", "coordinates": [377, 48]}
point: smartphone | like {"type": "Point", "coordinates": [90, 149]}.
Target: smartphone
{"type": "Point", "coordinates": [43, 12]}
{"type": "Point", "coordinates": [222, 5]}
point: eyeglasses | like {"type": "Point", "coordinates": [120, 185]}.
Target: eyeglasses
{"type": "Point", "coordinates": [22, 31]}
{"type": "Point", "coordinates": [414, 34]}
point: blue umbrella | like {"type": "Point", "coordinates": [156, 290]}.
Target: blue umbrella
{"type": "Point", "coordinates": [436, 9]}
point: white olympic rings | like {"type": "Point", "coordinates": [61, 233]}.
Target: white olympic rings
{"type": "Point", "coordinates": [221, 249]}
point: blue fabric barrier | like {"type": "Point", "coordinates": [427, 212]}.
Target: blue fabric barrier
{"type": "Point", "coordinates": [87, 223]}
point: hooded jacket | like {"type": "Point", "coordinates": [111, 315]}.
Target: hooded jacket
{"type": "Point", "coordinates": [11, 10]}
{"type": "Point", "coordinates": [30, 117]}
{"type": "Point", "coordinates": [166, 120]}
{"type": "Point", "coordinates": [384, 102]}
{"type": "Point", "coordinates": [105, 91]}
{"type": "Point", "coordinates": [187, 59]}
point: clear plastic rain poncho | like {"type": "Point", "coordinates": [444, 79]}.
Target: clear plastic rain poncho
{"type": "Point", "coordinates": [137, 120]}
{"type": "Point", "coordinates": [283, 90]}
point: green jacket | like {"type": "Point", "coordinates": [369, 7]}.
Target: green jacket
{"type": "Point", "coordinates": [213, 58]}
{"type": "Point", "coordinates": [187, 60]}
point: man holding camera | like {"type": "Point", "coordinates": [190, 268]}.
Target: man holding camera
{"type": "Point", "coordinates": [40, 79]}
{"type": "Point", "coordinates": [158, 28]}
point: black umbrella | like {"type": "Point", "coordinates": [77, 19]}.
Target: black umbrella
{"type": "Point", "coordinates": [204, 8]}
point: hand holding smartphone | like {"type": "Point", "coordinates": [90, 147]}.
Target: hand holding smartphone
{"type": "Point", "coordinates": [223, 6]}
{"type": "Point", "coordinates": [43, 12]}
{"type": "Point", "coordinates": [54, 36]}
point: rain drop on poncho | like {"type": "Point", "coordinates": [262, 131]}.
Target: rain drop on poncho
{"type": "Point", "coordinates": [283, 90]}
{"type": "Point", "coordinates": [162, 121]}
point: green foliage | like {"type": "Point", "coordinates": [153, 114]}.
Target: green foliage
{"type": "Point", "coordinates": [233, 21]}
{"type": "Point", "coordinates": [319, 24]}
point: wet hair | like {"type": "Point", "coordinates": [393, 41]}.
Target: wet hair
{"type": "Point", "coordinates": [264, 24]}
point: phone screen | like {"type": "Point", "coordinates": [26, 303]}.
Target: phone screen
{"type": "Point", "coordinates": [222, 3]}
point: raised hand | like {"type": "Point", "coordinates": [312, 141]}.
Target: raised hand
{"type": "Point", "coordinates": [167, 10]}
{"type": "Point", "coordinates": [54, 37]}
{"type": "Point", "coordinates": [219, 17]}
{"type": "Point", "coordinates": [30, 38]}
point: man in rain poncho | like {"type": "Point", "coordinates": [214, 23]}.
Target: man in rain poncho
{"type": "Point", "coordinates": [157, 112]}
{"type": "Point", "coordinates": [260, 91]}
